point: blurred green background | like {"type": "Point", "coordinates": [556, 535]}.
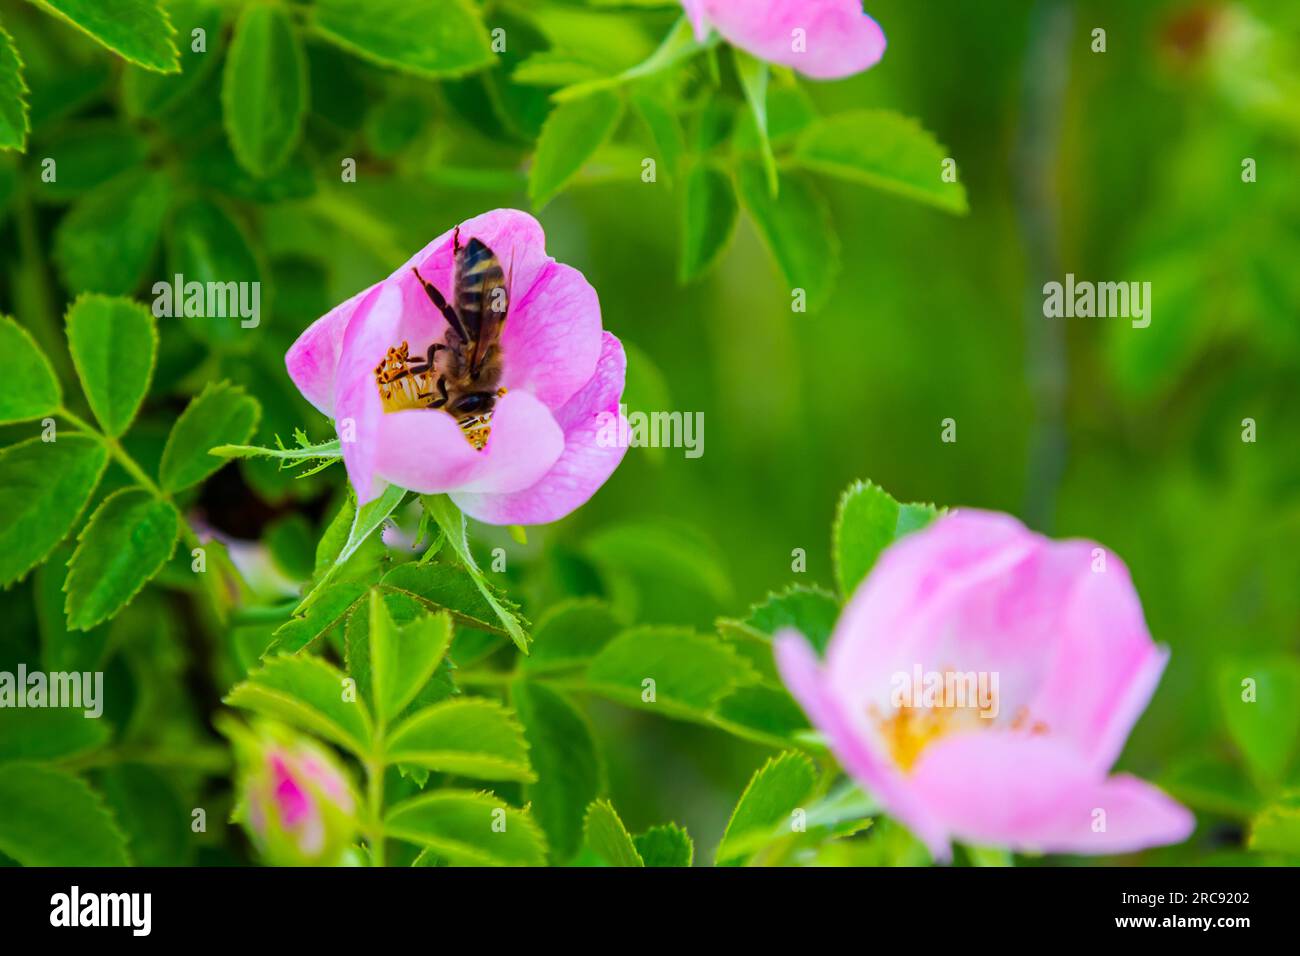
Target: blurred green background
{"type": "Point", "coordinates": [1123, 165]}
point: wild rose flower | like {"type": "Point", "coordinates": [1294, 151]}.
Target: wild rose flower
{"type": "Point", "coordinates": [298, 805]}
{"type": "Point", "coordinates": [823, 39]}
{"type": "Point", "coordinates": [1060, 627]}
{"type": "Point", "coordinates": [561, 375]}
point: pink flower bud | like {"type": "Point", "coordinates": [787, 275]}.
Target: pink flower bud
{"type": "Point", "coordinates": [297, 803]}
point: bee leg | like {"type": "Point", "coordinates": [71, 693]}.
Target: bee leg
{"type": "Point", "coordinates": [428, 360]}
{"type": "Point", "coordinates": [440, 303]}
{"type": "Point", "coordinates": [442, 390]}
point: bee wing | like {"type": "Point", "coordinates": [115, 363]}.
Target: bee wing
{"type": "Point", "coordinates": [482, 298]}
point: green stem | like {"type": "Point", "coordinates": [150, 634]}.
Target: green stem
{"type": "Point", "coordinates": [132, 468]}
{"type": "Point", "coordinates": [375, 807]}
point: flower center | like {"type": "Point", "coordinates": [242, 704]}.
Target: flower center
{"type": "Point", "coordinates": [907, 731]}
{"type": "Point", "coordinates": [405, 383]}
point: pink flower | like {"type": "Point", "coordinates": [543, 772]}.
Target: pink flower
{"type": "Point", "coordinates": [1057, 632]}
{"type": "Point", "coordinates": [561, 375]}
{"type": "Point", "coordinates": [823, 39]}
{"type": "Point", "coordinates": [299, 807]}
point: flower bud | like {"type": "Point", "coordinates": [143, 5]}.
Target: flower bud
{"type": "Point", "coordinates": [296, 801]}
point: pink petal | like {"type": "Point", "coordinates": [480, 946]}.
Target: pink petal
{"type": "Point", "coordinates": [426, 451]}
{"type": "Point", "coordinates": [913, 600]}
{"type": "Point", "coordinates": [996, 788]}
{"type": "Point", "coordinates": [696, 14]}
{"type": "Point", "coordinates": [314, 356]}
{"type": "Point", "coordinates": [853, 744]}
{"type": "Point", "coordinates": [838, 38]}
{"type": "Point", "coordinates": [515, 236]}
{"type": "Point", "coordinates": [1107, 666]}
{"type": "Point", "coordinates": [552, 336]}
{"type": "Point", "coordinates": [357, 409]}
{"type": "Point", "coordinates": [584, 465]}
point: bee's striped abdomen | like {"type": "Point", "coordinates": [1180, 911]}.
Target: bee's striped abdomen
{"type": "Point", "coordinates": [478, 272]}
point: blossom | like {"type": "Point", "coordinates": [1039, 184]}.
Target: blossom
{"type": "Point", "coordinates": [823, 39]}
{"type": "Point", "coordinates": [1059, 625]}
{"type": "Point", "coordinates": [560, 372]}
{"type": "Point", "coordinates": [297, 803]}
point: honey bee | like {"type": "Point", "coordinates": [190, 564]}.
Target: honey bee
{"type": "Point", "coordinates": [460, 374]}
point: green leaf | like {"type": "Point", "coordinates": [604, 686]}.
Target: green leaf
{"type": "Point", "coordinates": [149, 809]}
{"type": "Point", "coordinates": [665, 845]}
{"type": "Point", "coordinates": [797, 229]}
{"type": "Point", "coordinates": [764, 714]}
{"type": "Point", "coordinates": [608, 838]}
{"type": "Point", "coordinates": [776, 790]}
{"type": "Point", "coordinates": [709, 217]}
{"type": "Point", "coordinates": [148, 94]}
{"type": "Point", "coordinates": [1277, 828]}
{"type": "Point", "coordinates": [310, 694]}
{"type": "Point", "coordinates": [468, 829]}
{"type": "Point", "coordinates": [127, 540]}
{"type": "Point", "coordinates": [222, 414]}
{"type": "Point", "coordinates": [1261, 705]}
{"type": "Point", "coordinates": [430, 38]}
{"type": "Point", "coordinates": [327, 612]}
{"type": "Point", "coordinates": [451, 522]}
{"type": "Point", "coordinates": [28, 386]}
{"type": "Point", "coordinates": [361, 523]}
{"type": "Point", "coordinates": [570, 634]}
{"type": "Point", "coordinates": [136, 30]}
{"type": "Point", "coordinates": [867, 521]}
{"type": "Point", "coordinates": [809, 610]}
{"type": "Point", "coordinates": [680, 44]}
{"type": "Point", "coordinates": [290, 541]}
{"type": "Point", "coordinates": [205, 245]}
{"type": "Point", "coordinates": [641, 560]}
{"type": "Point", "coordinates": [570, 136]}
{"type": "Point", "coordinates": [43, 488]}
{"type": "Point", "coordinates": [50, 733]}
{"type": "Point", "coordinates": [690, 673]}
{"type": "Point", "coordinates": [402, 659]}
{"type": "Point", "coordinates": [62, 649]}
{"type": "Point", "coordinates": [48, 817]}
{"type": "Point", "coordinates": [264, 89]}
{"type": "Point", "coordinates": [107, 240]}
{"type": "Point", "coordinates": [90, 153]}
{"type": "Point", "coordinates": [467, 736]}
{"type": "Point", "coordinates": [563, 754]}
{"type": "Point", "coordinates": [753, 74]}
{"type": "Point", "coordinates": [881, 149]}
{"type": "Point", "coordinates": [444, 587]}
{"type": "Point", "coordinates": [1211, 784]}
{"type": "Point", "coordinates": [113, 344]}
{"type": "Point", "coordinates": [404, 610]}
{"type": "Point", "coordinates": [664, 129]}
{"type": "Point", "coordinates": [14, 123]}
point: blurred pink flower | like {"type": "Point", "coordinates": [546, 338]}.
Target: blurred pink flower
{"type": "Point", "coordinates": [1060, 628]}
{"type": "Point", "coordinates": [561, 374]}
{"type": "Point", "coordinates": [823, 39]}
{"type": "Point", "coordinates": [299, 807]}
